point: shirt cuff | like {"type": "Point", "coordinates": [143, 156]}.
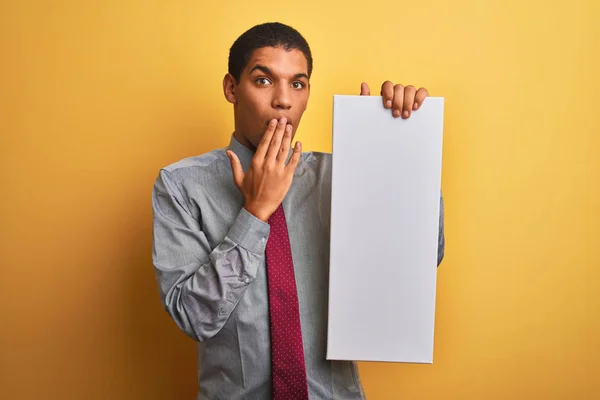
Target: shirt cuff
{"type": "Point", "coordinates": [250, 232]}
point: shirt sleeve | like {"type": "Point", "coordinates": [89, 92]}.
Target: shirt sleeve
{"type": "Point", "coordinates": [441, 236]}
{"type": "Point", "coordinates": [200, 286]}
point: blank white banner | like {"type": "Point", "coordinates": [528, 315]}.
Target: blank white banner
{"type": "Point", "coordinates": [384, 230]}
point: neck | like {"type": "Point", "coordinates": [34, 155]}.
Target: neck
{"type": "Point", "coordinates": [243, 141]}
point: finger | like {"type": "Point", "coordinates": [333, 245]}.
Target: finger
{"type": "Point", "coordinates": [276, 140]}
{"type": "Point", "coordinates": [236, 167]}
{"type": "Point", "coordinates": [398, 100]}
{"type": "Point", "coordinates": [286, 142]}
{"type": "Point", "coordinates": [263, 146]}
{"type": "Point", "coordinates": [422, 93]}
{"type": "Point", "coordinates": [409, 99]}
{"type": "Point", "coordinates": [387, 94]}
{"type": "Point", "coordinates": [364, 89]}
{"type": "Point", "coordinates": [295, 159]}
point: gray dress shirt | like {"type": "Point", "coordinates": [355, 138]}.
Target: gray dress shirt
{"type": "Point", "coordinates": [209, 259]}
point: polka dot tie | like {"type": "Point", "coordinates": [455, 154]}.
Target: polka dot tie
{"type": "Point", "coordinates": [287, 354]}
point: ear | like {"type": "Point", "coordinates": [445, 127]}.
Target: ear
{"type": "Point", "coordinates": [229, 84]}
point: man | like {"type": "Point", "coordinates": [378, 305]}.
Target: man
{"type": "Point", "coordinates": [241, 235]}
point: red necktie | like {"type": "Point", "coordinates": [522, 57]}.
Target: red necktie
{"type": "Point", "coordinates": [287, 354]}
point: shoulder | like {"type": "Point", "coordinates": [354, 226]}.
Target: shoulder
{"type": "Point", "coordinates": [204, 161]}
{"type": "Point", "coordinates": [196, 169]}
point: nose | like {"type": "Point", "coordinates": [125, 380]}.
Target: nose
{"type": "Point", "coordinates": [281, 98]}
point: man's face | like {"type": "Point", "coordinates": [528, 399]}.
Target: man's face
{"type": "Point", "coordinates": [274, 84]}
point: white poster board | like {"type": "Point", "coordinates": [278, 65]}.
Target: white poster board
{"type": "Point", "coordinates": [386, 179]}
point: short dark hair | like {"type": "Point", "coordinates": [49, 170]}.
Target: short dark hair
{"type": "Point", "coordinates": [270, 34]}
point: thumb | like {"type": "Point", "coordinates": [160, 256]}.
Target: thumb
{"type": "Point", "coordinates": [364, 89]}
{"type": "Point", "coordinates": [236, 167]}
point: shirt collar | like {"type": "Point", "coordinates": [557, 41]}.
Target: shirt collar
{"type": "Point", "coordinates": [244, 154]}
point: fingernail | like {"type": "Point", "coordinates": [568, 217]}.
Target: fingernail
{"type": "Point", "coordinates": [388, 104]}
{"type": "Point", "coordinates": [396, 113]}
{"type": "Point", "coordinates": [283, 121]}
{"type": "Point", "coordinates": [273, 122]}
{"type": "Point", "coordinates": [415, 106]}
{"type": "Point", "coordinates": [288, 128]}
{"type": "Point", "coordinates": [406, 114]}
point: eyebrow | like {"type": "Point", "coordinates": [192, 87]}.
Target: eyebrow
{"type": "Point", "coordinates": [267, 71]}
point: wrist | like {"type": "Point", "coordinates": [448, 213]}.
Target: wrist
{"type": "Point", "coordinates": [258, 212]}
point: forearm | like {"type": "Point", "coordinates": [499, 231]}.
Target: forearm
{"type": "Point", "coordinates": [200, 285]}
{"type": "Point", "coordinates": [201, 296]}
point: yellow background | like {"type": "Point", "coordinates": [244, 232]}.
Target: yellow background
{"type": "Point", "coordinates": [96, 96]}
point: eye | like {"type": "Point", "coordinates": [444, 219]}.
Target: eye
{"type": "Point", "coordinates": [298, 85]}
{"type": "Point", "coordinates": [263, 81]}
